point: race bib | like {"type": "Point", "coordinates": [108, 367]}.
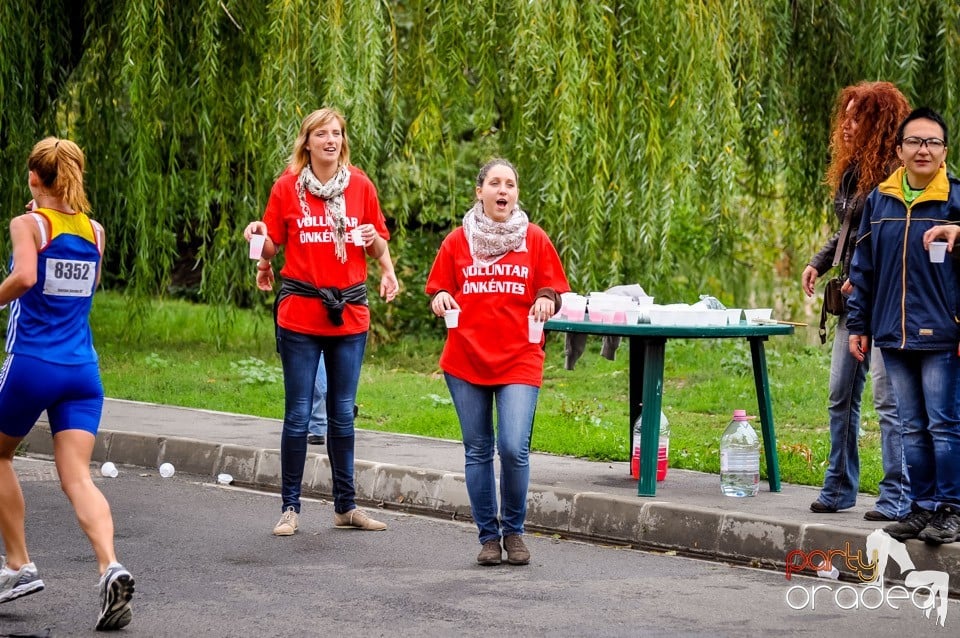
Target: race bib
{"type": "Point", "coordinates": [70, 278]}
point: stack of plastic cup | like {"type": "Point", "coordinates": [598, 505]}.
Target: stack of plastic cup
{"type": "Point", "coordinates": [574, 306]}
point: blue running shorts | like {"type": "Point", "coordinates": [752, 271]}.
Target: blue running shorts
{"type": "Point", "coordinates": [72, 395]}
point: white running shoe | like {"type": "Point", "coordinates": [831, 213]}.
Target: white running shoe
{"type": "Point", "coordinates": [14, 584]}
{"type": "Point", "coordinates": [116, 590]}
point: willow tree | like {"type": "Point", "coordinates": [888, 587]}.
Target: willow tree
{"type": "Point", "coordinates": [680, 145]}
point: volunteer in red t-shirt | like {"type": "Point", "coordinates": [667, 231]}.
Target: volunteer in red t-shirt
{"type": "Point", "coordinates": [326, 213]}
{"type": "Point", "coordinates": [498, 269]}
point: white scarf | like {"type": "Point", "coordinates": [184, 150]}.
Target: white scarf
{"type": "Point", "coordinates": [332, 195]}
{"type": "Point", "coordinates": [490, 240]}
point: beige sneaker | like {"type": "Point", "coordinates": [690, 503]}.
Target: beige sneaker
{"type": "Point", "coordinates": [355, 519]}
{"type": "Point", "coordinates": [288, 524]}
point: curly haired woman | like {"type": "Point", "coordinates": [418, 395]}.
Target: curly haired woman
{"type": "Point", "coordinates": [863, 153]}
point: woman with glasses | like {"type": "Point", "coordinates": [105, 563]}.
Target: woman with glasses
{"type": "Point", "coordinates": [909, 306]}
{"type": "Point", "coordinates": [863, 153]}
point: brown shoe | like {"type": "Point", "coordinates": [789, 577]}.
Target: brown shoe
{"type": "Point", "coordinates": [490, 554]}
{"type": "Point", "coordinates": [517, 552]}
{"type": "Point", "coordinates": [820, 508]}
{"type": "Point", "coordinates": [356, 519]}
{"type": "Point", "coordinates": [874, 515]}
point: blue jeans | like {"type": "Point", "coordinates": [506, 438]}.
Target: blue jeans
{"type": "Point", "coordinates": [318, 413]}
{"type": "Point", "coordinates": [841, 481]}
{"type": "Point", "coordinates": [926, 384]}
{"type": "Point", "coordinates": [894, 497]}
{"type": "Point", "coordinates": [516, 405]}
{"type": "Point", "coordinates": [300, 355]}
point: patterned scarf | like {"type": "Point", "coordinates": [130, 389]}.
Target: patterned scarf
{"type": "Point", "coordinates": [332, 195]}
{"type": "Point", "coordinates": [490, 240]}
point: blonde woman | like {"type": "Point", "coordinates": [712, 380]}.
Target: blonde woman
{"type": "Point", "coordinates": [325, 214]}
{"type": "Point", "coordinates": [51, 365]}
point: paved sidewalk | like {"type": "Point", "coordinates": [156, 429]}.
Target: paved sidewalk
{"type": "Point", "coordinates": [568, 496]}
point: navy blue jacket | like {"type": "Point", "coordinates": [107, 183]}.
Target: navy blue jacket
{"type": "Point", "coordinates": [901, 299]}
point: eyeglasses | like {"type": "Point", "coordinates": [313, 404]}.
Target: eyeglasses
{"type": "Point", "coordinates": [934, 144]}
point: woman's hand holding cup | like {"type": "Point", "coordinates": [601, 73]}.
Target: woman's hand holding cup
{"type": "Point", "coordinates": [543, 308]}
{"type": "Point", "coordinates": [944, 232]}
{"type": "Point", "coordinates": [442, 302]}
{"type": "Point", "coordinates": [254, 228]}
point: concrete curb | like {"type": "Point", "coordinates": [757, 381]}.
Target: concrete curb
{"type": "Point", "coordinates": [726, 536]}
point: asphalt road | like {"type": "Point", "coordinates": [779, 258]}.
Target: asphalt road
{"type": "Point", "coordinates": [206, 565]}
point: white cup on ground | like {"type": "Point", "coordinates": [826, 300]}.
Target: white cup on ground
{"type": "Point", "coordinates": [534, 329]}
{"type": "Point", "coordinates": [167, 470]}
{"type": "Point", "coordinates": [356, 237]}
{"type": "Point", "coordinates": [256, 245]}
{"type": "Point", "coordinates": [938, 252]}
{"type": "Point", "coordinates": [109, 470]}
{"type": "Point", "coordinates": [452, 318]}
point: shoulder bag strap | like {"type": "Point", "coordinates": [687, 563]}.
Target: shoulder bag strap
{"type": "Point", "coordinates": [842, 240]}
{"type": "Point", "coordinates": [837, 256]}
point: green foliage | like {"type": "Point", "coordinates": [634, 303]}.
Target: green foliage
{"type": "Point", "coordinates": [154, 361]}
{"type": "Point", "coordinates": [252, 370]}
{"type": "Point", "coordinates": [680, 145]}
{"type": "Point", "coordinates": [436, 400]}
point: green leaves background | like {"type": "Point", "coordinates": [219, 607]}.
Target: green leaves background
{"type": "Point", "coordinates": [680, 145]}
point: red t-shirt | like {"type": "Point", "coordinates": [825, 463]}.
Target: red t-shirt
{"type": "Point", "coordinates": [310, 255]}
{"type": "Point", "coordinates": [490, 346]}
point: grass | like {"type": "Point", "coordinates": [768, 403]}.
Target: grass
{"type": "Point", "coordinates": [175, 360]}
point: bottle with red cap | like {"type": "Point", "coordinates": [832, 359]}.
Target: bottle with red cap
{"type": "Point", "coordinates": [740, 457]}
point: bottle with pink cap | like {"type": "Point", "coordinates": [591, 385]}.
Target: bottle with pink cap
{"type": "Point", "coordinates": [740, 457]}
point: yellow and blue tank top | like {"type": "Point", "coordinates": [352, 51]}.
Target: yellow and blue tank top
{"type": "Point", "coordinates": [51, 320]}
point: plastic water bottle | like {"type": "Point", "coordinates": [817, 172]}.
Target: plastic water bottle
{"type": "Point", "coordinates": [167, 470]}
{"type": "Point", "coordinates": [663, 448]}
{"type": "Point", "coordinates": [109, 470]}
{"type": "Point", "coordinates": [740, 457]}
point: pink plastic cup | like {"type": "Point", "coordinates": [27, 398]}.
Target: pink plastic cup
{"type": "Point", "coordinates": [256, 245]}
{"type": "Point", "coordinates": [534, 329]}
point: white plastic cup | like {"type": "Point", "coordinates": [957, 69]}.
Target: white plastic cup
{"type": "Point", "coordinates": [256, 246]}
{"type": "Point", "coordinates": [938, 252]}
{"type": "Point", "coordinates": [356, 237]}
{"type": "Point", "coordinates": [574, 308]}
{"type": "Point", "coordinates": [109, 470]}
{"type": "Point", "coordinates": [452, 318]}
{"type": "Point", "coordinates": [167, 470]}
{"type": "Point", "coordinates": [757, 315]}
{"type": "Point", "coordinates": [534, 329]}
{"type": "Point", "coordinates": [224, 479]}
